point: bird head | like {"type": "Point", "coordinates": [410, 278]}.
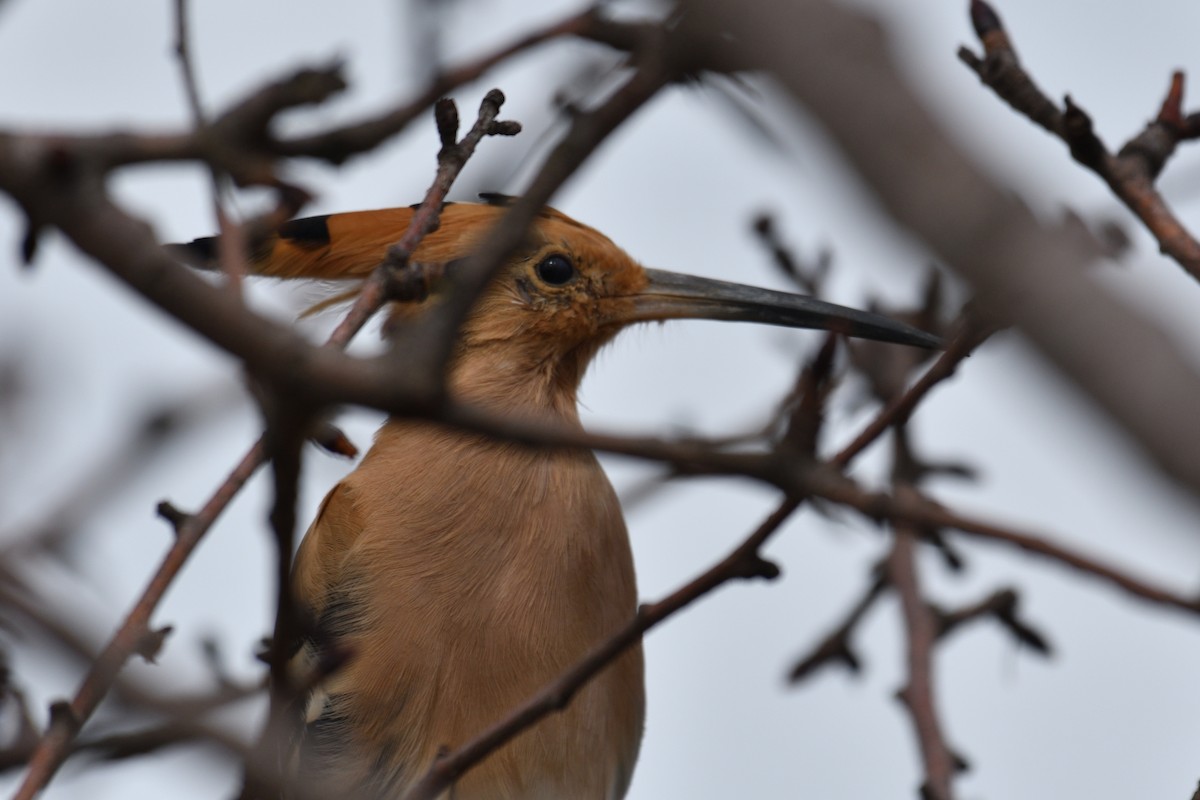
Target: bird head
{"type": "Point", "coordinates": [556, 301]}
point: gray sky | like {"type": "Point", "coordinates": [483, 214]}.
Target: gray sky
{"type": "Point", "coordinates": [1114, 715]}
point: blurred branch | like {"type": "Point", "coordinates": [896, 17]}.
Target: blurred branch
{"type": "Point", "coordinates": [283, 439]}
{"type": "Point", "coordinates": [132, 634]}
{"type": "Point", "coordinates": [1132, 171]}
{"type": "Point", "coordinates": [187, 69]}
{"type": "Point", "coordinates": [917, 695]}
{"type": "Point", "coordinates": [809, 277]}
{"type": "Point", "coordinates": [180, 711]}
{"type": "Point", "coordinates": [1022, 271]}
{"type": "Point", "coordinates": [1000, 605]}
{"type": "Point", "coordinates": [917, 510]}
{"type": "Point", "coordinates": [135, 455]}
{"type": "Point", "coordinates": [190, 528]}
{"type": "Point", "coordinates": [337, 145]}
{"type": "Point", "coordinates": [836, 647]}
{"type": "Point", "coordinates": [232, 243]}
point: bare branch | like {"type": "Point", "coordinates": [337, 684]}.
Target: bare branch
{"type": "Point", "coordinates": [924, 513]}
{"type": "Point", "coordinates": [131, 637]}
{"type": "Point", "coordinates": [1131, 172]}
{"type": "Point", "coordinates": [654, 69]}
{"type": "Point", "coordinates": [836, 648]}
{"type": "Point", "coordinates": [336, 146]}
{"type": "Point", "coordinates": [1022, 271]}
{"type": "Point", "coordinates": [1000, 605]}
{"type": "Point", "coordinates": [128, 639]}
{"type": "Point", "coordinates": [922, 631]}
{"type": "Point", "coordinates": [392, 279]}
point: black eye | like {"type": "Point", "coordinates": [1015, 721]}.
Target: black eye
{"type": "Point", "coordinates": [556, 270]}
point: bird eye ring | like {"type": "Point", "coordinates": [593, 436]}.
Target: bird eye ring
{"type": "Point", "coordinates": [556, 270]}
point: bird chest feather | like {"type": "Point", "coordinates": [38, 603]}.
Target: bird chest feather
{"type": "Point", "coordinates": [472, 572]}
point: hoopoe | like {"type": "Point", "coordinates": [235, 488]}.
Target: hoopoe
{"type": "Point", "coordinates": [462, 573]}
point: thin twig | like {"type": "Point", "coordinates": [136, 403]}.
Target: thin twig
{"type": "Point", "coordinates": [337, 145]}
{"type": "Point", "coordinates": [655, 68]}
{"type": "Point", "coordinates": [184, 54]}
{"type": "Point", "coordinates": [923, 513]}
{"type": "Point", "coordinates": [922, 631]}
{"type": "Point", "coordinates": [232, 243]}
{"type": "Point", "coordinates": [53, 747]}
{"type": "Point", "coordinates": [1001, 605]}
{"type": "Point", "coordinates": [835, 648]}
{"type": "Point", "coordinates": [453, 156]}
{"type": "Point", "coordinates": [897, 410]}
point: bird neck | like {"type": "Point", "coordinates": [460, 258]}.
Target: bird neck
{"type": "Point", "coordinates": [503, 378]}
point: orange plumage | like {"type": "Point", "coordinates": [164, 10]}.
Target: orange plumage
{"type": "Point", "coordinates": [463, 573]}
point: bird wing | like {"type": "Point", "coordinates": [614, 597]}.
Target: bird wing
{"type": "Point", "coordinates": [330, 537]}
{"type": "Point", "coordinates": [323, 740]}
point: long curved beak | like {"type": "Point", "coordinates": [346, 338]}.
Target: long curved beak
{"type": "Point", "coordinates": [669, 295]}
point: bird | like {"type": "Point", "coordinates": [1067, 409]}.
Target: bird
{"type": "Point", "coordinates": [462, 573]}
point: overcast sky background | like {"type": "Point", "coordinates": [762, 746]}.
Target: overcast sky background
{"type": "Point", "coordinates": [1115, 715]}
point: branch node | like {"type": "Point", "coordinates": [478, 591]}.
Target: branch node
{"type": "Point", "coordinates": [150, 644]}
{"type": "Point", "coordinates": [1086, 147]}
{"type": "Point", "coordinates": [504, 127]}
{"type": "Point", "coordinates": [445, 115]}
{"type": "Point", "coordinates": [413, 283]}
{"type": "Point", "coordinates": [755, 566]}
{"type": "Point", "coordinates": [332, 439]}
{"type": "Point", "coordinates": [63, 719]}
{"type": "Point", "coordinates": [1171, 113]}
{"type": "Point", "coordinates": [173, 515]}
